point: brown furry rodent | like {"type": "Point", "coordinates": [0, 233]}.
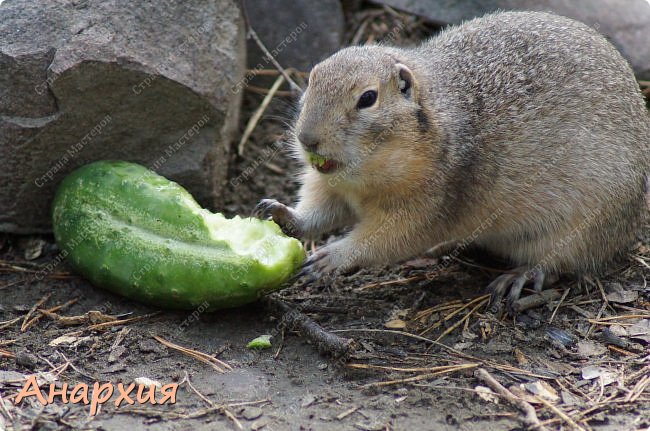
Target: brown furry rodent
{"type": "Point", "coordinates": [524, 132]}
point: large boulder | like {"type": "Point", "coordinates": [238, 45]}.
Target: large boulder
{"type": "Point", "coordinates": [626, 23]}
{"type": "Point", "coordinates": [150, 82]}
{"type": "Point", "coordinates": [299, 33]}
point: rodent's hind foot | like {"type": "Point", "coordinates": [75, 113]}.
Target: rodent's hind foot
{"type": "Point", "coordinates": [513, 282]}
{"type": "Point", "coordinates": [279, 213]}
{"type": "Point", "coordinates": [328, 260]}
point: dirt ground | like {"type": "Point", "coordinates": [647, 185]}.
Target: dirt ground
{"type": "Point", "coordinates": [421, 330]}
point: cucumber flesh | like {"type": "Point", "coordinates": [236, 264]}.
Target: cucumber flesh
{"type": "Point", "coordinates": [130, 230]}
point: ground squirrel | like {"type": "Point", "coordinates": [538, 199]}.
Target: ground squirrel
{"type": "Point", "coordinates": [525, 132]}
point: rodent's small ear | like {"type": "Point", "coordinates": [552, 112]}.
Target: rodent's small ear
{"type": "Point", "coordinates": [405, 79]}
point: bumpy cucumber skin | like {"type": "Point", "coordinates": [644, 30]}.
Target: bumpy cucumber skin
{"type": "Point", "coordinates": [133, 232]}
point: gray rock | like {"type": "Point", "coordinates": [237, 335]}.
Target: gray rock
{"type": "Point", "coordinates": [301, 33]}
{"type": "Point", "coordinates": [623, 22]}
{"type": "Point", "coordinates": [149, 82]}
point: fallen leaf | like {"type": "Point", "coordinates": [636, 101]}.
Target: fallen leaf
{"type": "Point", "coordinates": [543, 390]}
{"type": "Point", "coordinates": [486, 394]}
{"type": "Point", "coordinates": [146, 381]}
{"type": "Point", "coordinates": [395, 324]}
{"type": "Point", "coordinates": [640, 330]}
{"type": "Point", "coordinates": [593, 372]}
{"type": "Point", "coordinates": [623, 296]}
{"type": "Point", "coordinates": [570, 400]}
{"type": "Point", "coordinates": [588, 348]}
{"type": "Point", "coordinates": [68, 340]}
{"type": "Point", "coordinates": [521, 358]}
{"type": "Point", "coordinates": [619, 330]}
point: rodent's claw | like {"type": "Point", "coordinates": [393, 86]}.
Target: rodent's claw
{"type": "Point", "coordinates": [327, 260]}
{"type": "Point", "coordinates": [279, 213]}
{"type": "Point", "coordinates": [264, 208]}
{"type": "Point", "coordinates": [514, 282]}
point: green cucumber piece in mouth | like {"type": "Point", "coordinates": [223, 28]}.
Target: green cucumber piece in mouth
{"type": "Point", "coordinates": [321, 163]}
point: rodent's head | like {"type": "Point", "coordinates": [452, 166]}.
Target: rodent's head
{"type": "Point", "coordinates": [356, 101]}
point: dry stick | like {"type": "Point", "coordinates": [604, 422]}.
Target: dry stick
{"type": "Point", "coordinates": [4, 409]}
{"type": "Point", "coordinates": [530, 418]}
{"type": "Point", "coordinates": [274, 72]}
{"type": "Point", "coordinates": [40, 302]}
{"type": "Point", "coordinates": [638, 389]}
{"type": "Point", "coordinates": [535, 300]}
{"type": "Point", "coordinates": [488, 363]}
{"type": "Point", "coordinates": [8, 323]}
{"type": "Point", "coordinates": [261, 90]}
{"type": "Point", "coordinates": [92, 378]}
{"type": "Point", "coordinates": [250, 126]}
{"type": "Point", "coordinates": [390, 282]}
{"type": "Point", "coordinates": [420, 376]}
{"type": "Point", "coordinates": [460, 322]}
{"type": "Point", "coordinates": [104, 325]}
{"type": "Point", "coordinates": [192, 415]}
{"type": "Point", "coordinates": [598, 316]}
{"type": "Point", "coordinates": [48, 311]}
{"type": "Point", "coordinates": [605, 320]}
{"type": "Point", "coordinates": [559, 304]}
{"type": "Point", "coordinates": [573, 424]}
{"type": "Point", "coordinates": [6, 354]}
{"type": "Point", "coordinates": [284, 73]}
{"type": "Point", "coordinates": [326, 341]}
{"type": "Point", "coordinates": [409, 370]}
{"type": "Point", "coordinates": [347, 413]}
{"type": "Point", "coordinates": [225, 411]}
{"type": "Point", "coordinates": [453, 313]}
{"type": "Point", "coordinates": [252, 34]}
{"type": "Point", "coordinates": [215, 363]}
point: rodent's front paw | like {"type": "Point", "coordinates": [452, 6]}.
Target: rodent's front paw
{"type": "Point", "coordinates": [279, 213]}
{"type": "Point", "coordinates": [329, 259]}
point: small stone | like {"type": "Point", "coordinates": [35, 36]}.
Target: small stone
{"type": "Point", "coordinates": [26, 359]}
{"type": "Point", "coordinates": [259, 424]}
{"type": "Point", "coordinates": [252, 413]}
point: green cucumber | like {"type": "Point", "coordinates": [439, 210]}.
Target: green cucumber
{"type": "Point", "coordinates": [132, 231]}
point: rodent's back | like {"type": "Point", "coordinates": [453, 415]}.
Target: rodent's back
{"type": "Point", "coordinates": [543, 121]}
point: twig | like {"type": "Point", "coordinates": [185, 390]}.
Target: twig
{"type": "Point", "coordinates": [105, 325]}
{"type": "Point", "coordinates": [530, 418]}
{"type": "Point", "coordinates": [559, 304]}
{"type": "Point", "coordinates": [460, 322]}
{"type": "Point", "coordinates": [261, 90]}
{"type": "Point", "coordinates": [535, 300]}
{"type": "Point", "coordinates": [215, 363]}
{"type": "Point", "coordinates": [68, 361]}
{"type": "Point", "coordinates": [275, 72]}
{"type": "Point", "coordinates": [252, 34]}
{"type": "Point", "coordinates": [49, 310]}
{"type": "Point", "coordinates": [444, 370]}
{"type": "Point", "coordinates": [573, 424]}
{"type": "Point", "coordinates": [224, 409]}
{"type": "Point", "coordinates": [40, 302]}
{"type": "Point", "coordinates": [6, 354]}
{"type": "Point", "coordinates": [252, 123]}
{"type": "Point", "coordinates": [4, 408]}
{"type": "Point", "coordinates": [326, 341]}
{"type": "Point", "coordinates": [453, 313]}
{"type": "Point", "coordinates": [8, 323]}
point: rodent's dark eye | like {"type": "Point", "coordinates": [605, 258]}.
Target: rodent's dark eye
{"type": "Point", "coordinates": [367, 99]}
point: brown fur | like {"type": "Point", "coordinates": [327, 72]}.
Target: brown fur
{"type": "Point", "coordinates": [530, 116]}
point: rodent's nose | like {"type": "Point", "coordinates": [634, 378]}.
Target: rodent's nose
{"type": "Point", "coordinates": [308, 140]}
